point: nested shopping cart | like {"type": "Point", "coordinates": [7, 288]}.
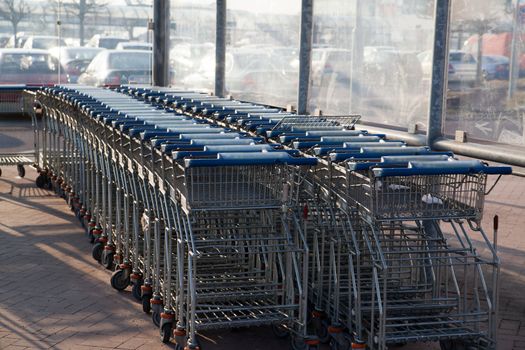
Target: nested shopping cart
{"type": "Point", "coordinates": [18, 100]}
{"type": "Point", "coordinates": [371, 244]}
{"type": "Point", "coordinates": [410, 290]}
{"type": "Point", "coordinates": [239, 251]}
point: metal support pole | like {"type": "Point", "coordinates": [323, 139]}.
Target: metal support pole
{"type": "Point", "coordinates": [305, 54]}
{"type": "Point", "coordinates": [357, 59]}
{"type": "Point", "coordinates": [515, 55]}
{"type": "Point", "coordinates": [438, 88]}
{"type": "Point", "coordinates": [479, 58]}
{"type": "Point", "coordinates": [220, 48]}
{"type": "Point", "coordinates": [161, 42]}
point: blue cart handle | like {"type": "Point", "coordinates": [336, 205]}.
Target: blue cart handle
{"type": "Point", "coordinates": [257, 158]}
{"type": "Point", "coordinates": [465, 167]}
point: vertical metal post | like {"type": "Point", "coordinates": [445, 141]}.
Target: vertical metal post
{"type": "Point", "coordinates": [357, 59]}
{"type": "Point", "coordinates": [479, 58]}
{"type": "Point", "coordinates": [59, 32]}
{"type": "Point", "coordinates": [220, 48]}
{"type": "Point", "coordinates": [305, 54]}
{"type": "Point", "coordinates": [438, 88]}
{"type": "Point", "coordinates": [515, 51]}
{"type": "Point", "coordinates": [161, 42]}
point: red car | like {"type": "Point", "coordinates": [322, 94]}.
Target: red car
{"type": "Point", "coordinates": [29, 67]}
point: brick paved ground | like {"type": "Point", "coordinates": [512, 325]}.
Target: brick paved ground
{"type": "Point", "coordinates": [508, 201]}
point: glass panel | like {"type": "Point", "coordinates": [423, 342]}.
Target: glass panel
{"type": "Point", "coordinates": [192, 53]}
{"type": "Point", "coordinates": [87, 29]}
{"type": "Point", "coordinates": [372, 58]}
{"type": "Point", "coordinates": [262, 54]}
{"type": "Point", "coordinates": [484, 98]}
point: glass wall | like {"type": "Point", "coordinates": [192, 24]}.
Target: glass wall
{"type": "Point", "coordinates": [373, 58]}
{"type": "Point", "coordinates": [262, 53]}
{"type": "Point", "coordinates": [87, 30]}
{"type": "Point", "coordinates": [486, 79]}
{"type": "Point", "coordinates": [192, 52]}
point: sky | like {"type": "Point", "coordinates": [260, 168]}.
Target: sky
{"type": "Point", "coordinates": [258, 6]}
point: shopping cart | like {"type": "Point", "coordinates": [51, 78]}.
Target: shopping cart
{"type": "Point", "coordinates": [18, 100]}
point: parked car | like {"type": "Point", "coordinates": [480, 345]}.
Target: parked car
{"type": "Point", "coordinates": [495, 67]}
{"type": "Point", "coordinates": [185, 58]}
{"type": "Point", "coordinates": [21, 38]}
{"type": "Point", "coordinates": [115, 67]}
{"type": "Point", "coordinates": [105, 41]}
{"type": "Point", "coordinates": [251, 73]}
{"type": "Point", "coordinates": [326, 61]}
{"type": "Point", "coordinates": [496, 44]}
{"type": "Point", "coordinates": [74, 59]}
{"type": "Point", "coordinates": [259, 74]}
{"type": "Point", "coordinates": [381, 65]}
{"type": "Point", "coordinates": [134, 45]}
{"type": "Point", "coordinates": [44, 42]}
{"type": "Point", "coordinates": [462, 66]}
{"type": "Point", "coordinates": [4, 39]}
{"type": "Point", "coordinates": [24, 66]}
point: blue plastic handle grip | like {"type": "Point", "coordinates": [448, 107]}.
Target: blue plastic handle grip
{"type": "Point", "coordinates": [410, 158]}
{"type": "Point", "coordinates": [359, 145]}
{"type": "Point", "coordinates": [159, 141]}
{"type": "Point", "coordinates": [238, 148]}
{"type": "Point", "coordinates": [241, 159]}
{"type": "Point", "coordinates": [321, 133]}
{"type": "Point", "coordinates": [207, 142]}
{"type": "Point", "coordinates": [442, 168]}
{"type": "Point", "coordinates": [208, 154]}
{"type": "Point", "coordinates": [350, 138]}
{"type": "Point", "coordinates": [197, 130]}
{"type": "Point", "coordinates": [394, 161]}
{"type": "Point", "coordinates": [377, 153]}
{"type": "Point", "coordinates": [205, 135]}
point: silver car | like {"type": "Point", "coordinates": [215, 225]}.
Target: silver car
{"type": "Point", "coordinates": [462, 66]}
{"type": "Point", "coordinates": [115, 67]}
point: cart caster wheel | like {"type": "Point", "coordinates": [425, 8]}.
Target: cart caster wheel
{"type": "Point", "coordinates": [452, 345]}
{"type": "Point", "coordinates": [279, 331]}
{"type": "Point", "coordinates": [297, 343]}
{"type": "Point", "coordinates": [301, 343]}
{"type": "Point", "coordinates": [192, 347]}
{"type": "Point", "coordinates": [21, 170]}
{"type": "Point", "coordinates": [155, 317]}
{"type": "Point", "coordinates": [334, 345]}
{"type": "Point", "coordinates": [165, 332]}
{"type": "Point", "coordinates": [97, 250]}
{"type": "Point", "coordinates": [40, 181]}
{"type": "Point", "coordinates": [322, 332]}
{"type": "Point", "coordinates": [107, 259]}
{"type": "Point", "coordinates": [119, 280]}
{"type": "Point", "coordinates": [136, 290]}
{"type": "Point", "coordinates": [146, 305]}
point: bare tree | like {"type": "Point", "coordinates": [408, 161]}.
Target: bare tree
{"type": "Point", "coordinates": [14, 12]}
{"type": "Point", "coordinates": [81, 9]}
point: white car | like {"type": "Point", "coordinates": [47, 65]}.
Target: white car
{"type": "Point", "coordinates": [134, 45]}
{"type": "Point", "coordinates": [44, 42]}
{"type": "Point", "coordinates": [462, 66]}
{"type": "Point", "coordinates": [115, 67]}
